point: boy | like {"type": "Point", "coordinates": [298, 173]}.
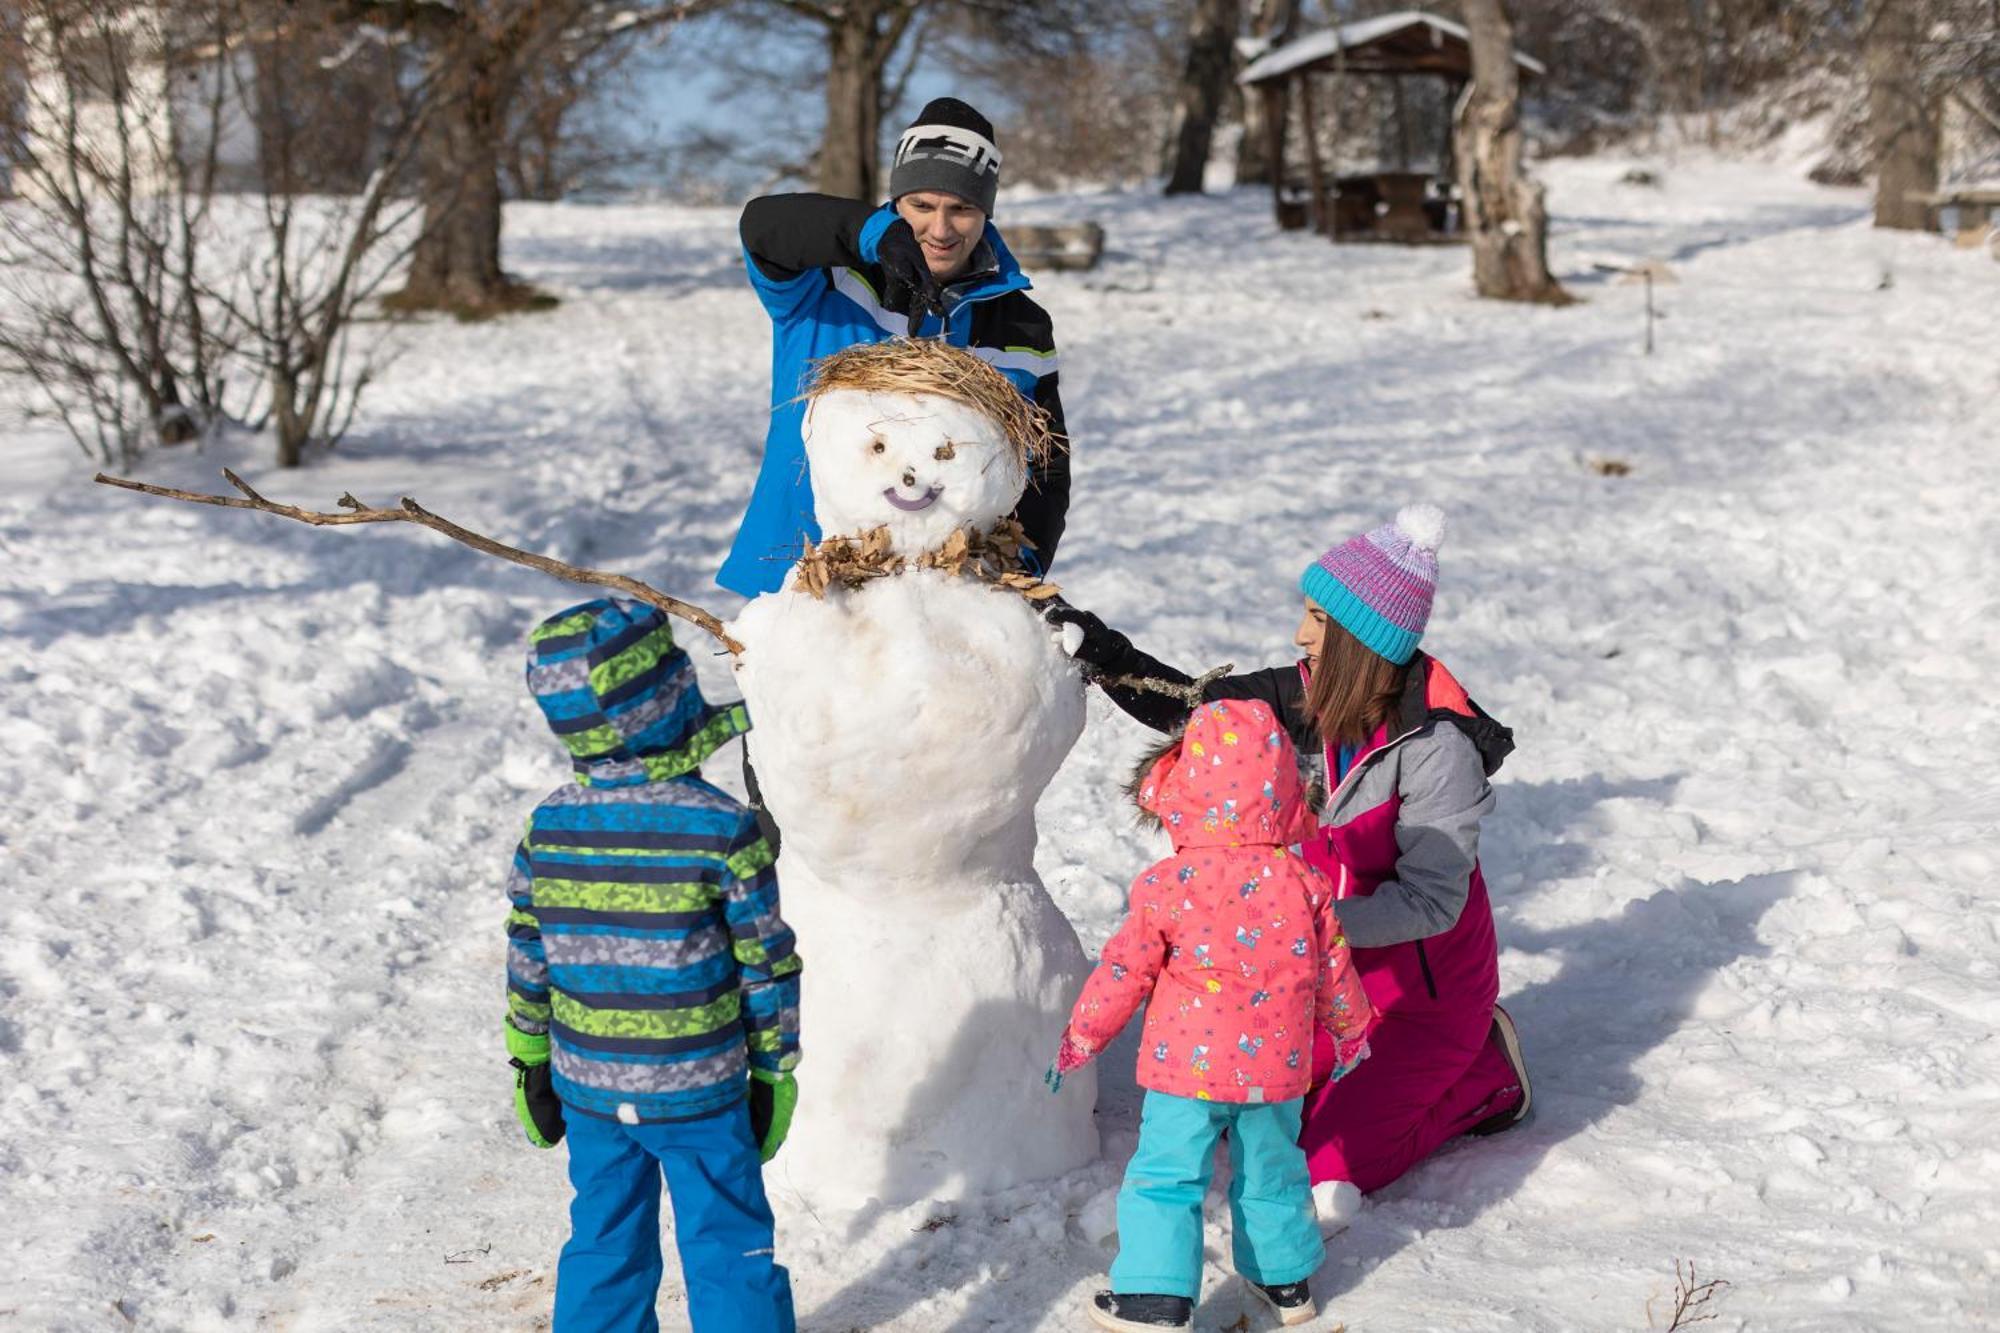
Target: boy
{"type": "Point", "coordinates": [647, 970]}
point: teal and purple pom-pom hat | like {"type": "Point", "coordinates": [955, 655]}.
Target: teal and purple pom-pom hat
{"type": "Point", "coordinates": [1379, 586]}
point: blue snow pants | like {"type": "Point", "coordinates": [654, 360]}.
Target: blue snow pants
{"type": "Point", "coordinates": [609, 1274]}
{"type": "Point", "coordinates": [1274, 1234]}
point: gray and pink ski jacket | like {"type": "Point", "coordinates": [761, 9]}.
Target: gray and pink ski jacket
{"type": "Point", "coordinates": [1399, 836]}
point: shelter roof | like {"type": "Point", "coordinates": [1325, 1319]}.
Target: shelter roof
{"type": "Point", "coordinates": [1408, 41]}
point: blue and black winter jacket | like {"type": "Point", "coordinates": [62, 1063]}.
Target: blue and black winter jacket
{"type": "Point", "coordinates": [812, 261]}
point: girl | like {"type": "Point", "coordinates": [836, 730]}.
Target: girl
{"type": "Point", "coordinates": [1408, 754]}
{"type": "Point", "coordinates": [1232, 945]}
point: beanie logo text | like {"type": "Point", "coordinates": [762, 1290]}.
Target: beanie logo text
{"type": "Point", "coordinates": [949, 144]}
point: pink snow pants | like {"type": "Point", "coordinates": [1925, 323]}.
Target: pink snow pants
{"type": "Point", "coordinates": [1432, 1071]}
{"type": "Point", "coordinates": [1424, 1081]}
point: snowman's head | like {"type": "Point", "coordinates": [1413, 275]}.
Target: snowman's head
{"type": "Point", "coordinates": [918, 438]}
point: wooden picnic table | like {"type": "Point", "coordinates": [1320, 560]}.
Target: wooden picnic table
{"type": "Point", "coordinates": [1974, 204]}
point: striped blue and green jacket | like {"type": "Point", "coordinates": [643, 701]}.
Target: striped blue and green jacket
{"type": "Point", "coordinates": [644, 937]}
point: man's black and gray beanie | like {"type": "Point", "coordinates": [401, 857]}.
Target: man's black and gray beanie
{"type": "Point", "coordinates": [948, 147]}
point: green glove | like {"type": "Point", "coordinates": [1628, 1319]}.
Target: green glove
{"type": "Point", "coordinates": [536, 1105]}
{"type": "Point", "coordinates": [772, 1100]}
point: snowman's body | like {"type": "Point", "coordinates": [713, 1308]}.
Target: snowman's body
{"type": "Point", "coordinates": [903, 732]}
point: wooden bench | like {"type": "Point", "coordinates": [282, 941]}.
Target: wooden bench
{"type": "Point", "coordinates": [1974, 205]}
{"type": "Point", "coordinates": [1076, 246]}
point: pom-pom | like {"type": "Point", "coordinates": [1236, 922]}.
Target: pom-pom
{"type": "Point", "coordinates": [1423, 525]}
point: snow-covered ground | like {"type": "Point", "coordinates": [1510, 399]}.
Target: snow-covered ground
{"type": "Point", "coordinates": [262, 781]}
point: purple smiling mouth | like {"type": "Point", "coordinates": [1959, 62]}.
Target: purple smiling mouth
{"type": "Point", "coordinates": [923, 501]}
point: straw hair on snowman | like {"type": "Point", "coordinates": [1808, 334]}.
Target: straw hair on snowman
{"type": "Point", "coordinates": [1379, 586]}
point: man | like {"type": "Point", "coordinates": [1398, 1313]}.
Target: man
{"type": "Point", "coordinates": [835, 272]}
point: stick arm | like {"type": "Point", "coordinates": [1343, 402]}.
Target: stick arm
{"type": "Point", "coordinates": [409, 511]}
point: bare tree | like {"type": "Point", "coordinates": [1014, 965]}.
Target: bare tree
{"type": "Point", "coordinates": [554, 145]}
{"type": "Point", "coordinates": [101, 269]}
{"type": "Point", "coordinates": [1088, 95]}
{"type": "Point", "coordinates": [1204, 91]}
{"type": "Point", "coordinates": [1271, 23]}
{"type": "Point", "coordinates": [13, 85]}
{"type": "Point", "coordinates": [142, 304]}
{"type": "Point", "coordinates": [1925, 59]}
{"type": "Point", "coordinates": [1902, 115]}
{"type": "Point", "coordinates": [479, 54]}
{"type": "Point", "coordinates": [320, 256]}
{"type": "Point", "coordinates": [862, 37]}
{"type": "Point", "coordinates": [1505, 217]}
{"type": "Point", "coordinates": [863, 40]}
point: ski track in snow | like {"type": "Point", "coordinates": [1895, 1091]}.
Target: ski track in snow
{"type": "Point", "coordinates": [262, 781]}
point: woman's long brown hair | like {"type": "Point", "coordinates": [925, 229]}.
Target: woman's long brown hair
{"type": "Point", "coordinates": [1354, 689]}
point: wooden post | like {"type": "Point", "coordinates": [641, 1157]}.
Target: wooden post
{"type": "Point", "coordinates": [1649, 310]}
{"type": "Point", "coordinates": [1333, 147]}
{"type": "Point", "coordinates": [1448, 158]}
{"type": "Point", "coordinates": [1273, 94]}
{"type": "Point", "coordinates": [1402, 114]}
{"type": "Point", "coordinates": [1320, 217]}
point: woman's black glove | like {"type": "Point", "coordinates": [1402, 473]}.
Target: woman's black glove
{"type": "Point", "coordinates": [1101, 646]}
{"type": "Point", "coordinates": [901, 255]}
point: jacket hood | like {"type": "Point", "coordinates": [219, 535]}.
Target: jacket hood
{"type": "Point", "coordinates": [622, 697]}
{"type": "Point", "coordinates": [1433, 694]}
{"type": "Point", "coordinates": [1232, 779]}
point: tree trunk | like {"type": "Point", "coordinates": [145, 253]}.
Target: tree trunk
{"type": "Point", "coordinates": [850, 151]}
{"type": "Point", "coordinates": [1902, 122]}
{"type": "Point", "coordinates": [1503, 210]}
{"type": "Point", "coordinates": [1205, 80]}
{"type": "Point", "coordinates": [292, 432]}
{"type": "Point", "coordinates": [455, 264]}
{"type": "Point", "coordinates": [1275, 20]}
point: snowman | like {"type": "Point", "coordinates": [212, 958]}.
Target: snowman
{"type": "Point", "coordinates": [910, 707]}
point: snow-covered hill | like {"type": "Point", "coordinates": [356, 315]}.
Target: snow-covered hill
{"type": "Point", "coordinates": [262, 781]}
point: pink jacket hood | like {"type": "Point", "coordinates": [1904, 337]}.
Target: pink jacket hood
{"type": "Point", "coordinates": [1233, 780]}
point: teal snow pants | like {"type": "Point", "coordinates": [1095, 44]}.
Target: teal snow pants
{"type": "Point", "coordinates": [1274, 1235]}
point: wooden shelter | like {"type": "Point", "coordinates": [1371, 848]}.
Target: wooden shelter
{"type": "Point", "coordinates": [1398, 203]}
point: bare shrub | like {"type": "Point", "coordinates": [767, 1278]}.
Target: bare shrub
{"type": "Point", "coordinates": [1690, 1297]}
{"type": "Point", "coordinates": [140, 301]}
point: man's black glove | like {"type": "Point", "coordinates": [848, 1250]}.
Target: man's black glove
{"type": "Point", "coordinates": [1101, 645]}
{"type": "Point", "coordinates": [901, 255]}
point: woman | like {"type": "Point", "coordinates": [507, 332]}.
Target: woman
{"type": "Point", "coordinates": [1408, 755]}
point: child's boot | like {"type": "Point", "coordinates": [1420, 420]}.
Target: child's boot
{"type": "Point", "coordinates": [1292, 1301]}
{"type": "Point", "coordinates": [1141, 1313]}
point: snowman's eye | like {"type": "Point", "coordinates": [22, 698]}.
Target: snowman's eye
{"type": "Point", "coordinates": [946, 452]}
{"type": "Point", "coordinates": [880, 447]}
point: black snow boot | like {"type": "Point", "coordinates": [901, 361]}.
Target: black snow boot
{"type": "Point", "coordinates": [1141, 1313]}
{"type": "Point", "coordinates": [1291, 1300]}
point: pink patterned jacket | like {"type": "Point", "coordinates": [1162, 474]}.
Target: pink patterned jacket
{"type": "Point", "coordinates": [1231, 943]}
